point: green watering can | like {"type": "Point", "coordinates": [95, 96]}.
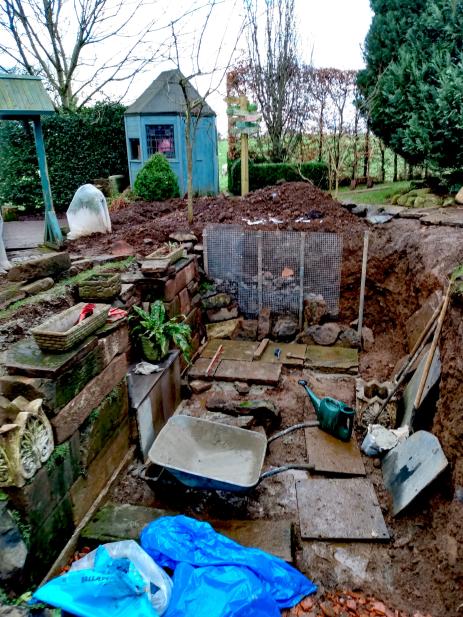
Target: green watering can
{"type": "Point", "coordinates": [334, 417]}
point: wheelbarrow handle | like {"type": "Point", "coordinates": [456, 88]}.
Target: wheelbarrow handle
{"type": "Point", "coordinates": [289, 430]}
{"type": "Point", "coordinates": [274, 472]}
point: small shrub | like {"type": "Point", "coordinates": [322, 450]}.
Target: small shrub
{"type": "Point", "coordinates": [156, 181]}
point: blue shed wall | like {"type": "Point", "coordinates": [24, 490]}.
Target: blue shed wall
{"type": "Point", "coordinates": [205, 154]}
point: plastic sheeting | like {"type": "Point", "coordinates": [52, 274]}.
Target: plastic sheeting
{"type": "Point", "coordinates": [4, 263]}
{"type": "Point", "coordinates": [217, 577]}
{"type": "Point", "coordinates": [118, 579]}
{"type": "Point", "coordinates": [88, 213]}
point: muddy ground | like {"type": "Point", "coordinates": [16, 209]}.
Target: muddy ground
{"type": "Point", "coordinates": [407, 262]}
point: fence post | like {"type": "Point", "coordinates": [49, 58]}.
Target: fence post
{"type": "Point", "coordinates": [259, 269]}
{"type": "Point", "coordinates": [301, 278]}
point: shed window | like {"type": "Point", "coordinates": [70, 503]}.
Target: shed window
{"type": "Point", "coordinates": [160, 138]}
{"type": "Point", "coordinates": [135, 151]}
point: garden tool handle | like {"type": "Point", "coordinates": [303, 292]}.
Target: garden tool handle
{"type": "Point", "coordinates": [289, 430]}
{"type": "Point", "coordinates": [288, 467]}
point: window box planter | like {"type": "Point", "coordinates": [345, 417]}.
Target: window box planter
{"type": "Point", "coordinates": [166, 254]}
{"type": "Point", "coordinates": [62, 332]}
{"type": "Point", "coordinates": [100, 287]}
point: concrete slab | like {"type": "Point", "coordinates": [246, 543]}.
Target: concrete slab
{"type": "Point", "coordinates": [340, 509]}
{"type": "Point", "coordinates": [332, 359]}
{"type": "Point", "coordinates": [232, 350]}
{"type": "Point", "coordinates": [330, 455]}
{"type": "Point", "coordinates": [412, 387]}
{"type": "Point", "coordinates": [286, 348]}
{"type": "Point", "coordinates": [116, 522]}
{"type": "Point", "coordinates": [411, 466]}
{"type": "Point", "coordinates": [251, 372]}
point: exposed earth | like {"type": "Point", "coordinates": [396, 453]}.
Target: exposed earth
{"type": "Point", "coordinates": [423, 571]}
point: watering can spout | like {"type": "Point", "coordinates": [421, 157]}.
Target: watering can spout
{"type": "Point", "coordinates": [315, 400]}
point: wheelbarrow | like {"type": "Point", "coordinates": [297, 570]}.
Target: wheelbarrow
{"type": "Point", "coordinates": [208, 455]}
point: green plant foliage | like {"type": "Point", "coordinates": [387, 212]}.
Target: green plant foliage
{"type": "Point", "coordinates": [162, 331]}
{"type": "Point", "coordinates": [80, 147]}
{"type": "Point", "coordinates": [156, 181]}
{"type": "Point", "coordinates": [411, 88]}
{"type": "Point", "coordinates": [268, 174]}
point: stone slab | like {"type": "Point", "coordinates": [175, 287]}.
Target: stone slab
{"type": "Point", "coordinates": [330, 455]}
{"type": "Point", "coordinates": [416, 324]}
{"type": "Point", "coordinates": [411, 466]}
{"type": "Point", "coordinates": [26, 358]}
{"type": "Point", "coordinates": [141, 385]}
{"type": "Point", "coordinates": [263, 373]}
{"type": "Point", "coordinates": [86, 489]}
{"type": "Point", "coordinates": [40, 267]}
{"type": "Point", "coordinates": [73, 415]}
{"type": "Point", "coordinates": [332, 359]}
{"type": "Point", "coordinates": [199, 368]}
{"type": "Point", "coordinates": [116, 522]}
{"type": "Point", "coordinates": [223, 329]}
{"type": "Point", "coordinates": [114, 344]}
{"type": "Point", "coordinates": [38, 286]}
{"type": "Point", "coordinates": [340, 509]}
{"type": "Point", "coordinates": [341, 387]}
{"type": "Point", "coordinates": [232, 350]}
{"type": "Point", "coordinates": [450, 216]}
{"type": "Point", "coordinates": [286, 348]}
{"type": "Point", "coordinates": [412, 387]}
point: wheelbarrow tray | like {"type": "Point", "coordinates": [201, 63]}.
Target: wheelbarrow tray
{"type": "Point", "coordinates": [208, 455]}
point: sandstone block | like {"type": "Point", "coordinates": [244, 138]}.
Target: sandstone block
{"type": "Point", "coordinates": [40, 267]}
{"type": "Point", "coordinates": [38, 286]}
{"type": "Point", "coordinates": [222, 314]}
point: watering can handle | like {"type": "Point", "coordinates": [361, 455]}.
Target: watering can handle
{"type": "Point", "coordinates": [274, 472]}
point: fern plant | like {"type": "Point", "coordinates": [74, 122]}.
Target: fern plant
{"type": "Point", "coordinates": [157, 332]}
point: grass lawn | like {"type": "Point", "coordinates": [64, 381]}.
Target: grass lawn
{"type": "Point", "coordinates": [379, 194]}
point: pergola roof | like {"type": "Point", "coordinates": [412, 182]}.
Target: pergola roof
{"type": "Point", "coordinates": [23, 95]}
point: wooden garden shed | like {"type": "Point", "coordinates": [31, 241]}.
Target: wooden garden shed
{"type": "Point", "coordinates": [156, 123]}
{"type": "Point", "coordinates": [23, 98]}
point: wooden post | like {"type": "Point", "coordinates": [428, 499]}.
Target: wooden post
{"type": "Point", "coordinates": [244, 152]}
{"type": "Point", "coordinates": [362, 284]}
{"type": "Point", "coordinates": [53, 236]}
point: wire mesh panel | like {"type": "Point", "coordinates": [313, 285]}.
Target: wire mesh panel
{"type": "Point", "coordinates": [274, 269]}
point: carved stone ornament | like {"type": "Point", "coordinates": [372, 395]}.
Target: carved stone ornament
{"type": "Point", "coordinates": [26, 440]}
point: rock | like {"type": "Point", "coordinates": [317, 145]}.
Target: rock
{"type": "Point", "coordinates": [264, 411]}
{"type": "Point", "coordinates": [197, 386]}
{"type": "Point", "coordinates": [349, 338]}
{"type": "Point", "coordinates": [22, 611]}
{"type": "Point", "coordinates": [38, 286]}
{"type": "Point", "coordinates": [183, 236]}
{"type": "Point", "coordinates": [368, 339]}
{"type": "Point", "coordinates": [285, 329]}
{"type": "Point", "coordinates": [314, 308]}
{"type": "Point", "coordinates": [216, 301]}
{"type": "Point", "coordinates": [148, 241]}
{"type": "Point", "coordinates": [287, 273]}
{"type": "Point", "coordinates": [264, 324]}
{"type": "Point", "coordinates": [222, 314]}
{"type": "Point", "coordinates": [238, 421]}
{"type": "Point", "coordinates": [247, 330]}
{"type": "Point", "coordinates": [121, 248]}
{"type": "Point", "coordinates": [223, 329]}
{"type": "Point", "coordinates": [242, 387]}
{"type": "Point", "coordinates": [13, 551]}
{"type": "Point", "coordinates": [459, 196]}
{"type": "Point", "coordinates": [40, 267]}
{"type": "Point", "coordinates": [320, 335]}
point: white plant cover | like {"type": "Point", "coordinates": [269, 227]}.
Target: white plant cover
{"type": "Point", "coordinates": [88, 213]}
{"type": "Point", "coordinates": [4, 263]}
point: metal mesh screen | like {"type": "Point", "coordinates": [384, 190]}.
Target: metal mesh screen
{"type": "Point", "coordinates": [274, 269]}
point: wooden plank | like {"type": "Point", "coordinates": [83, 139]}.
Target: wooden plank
{"type": "Point", "coordinates": [340, 509]}
{"type": "Point", "coordinates": [252, 372]}
{"type": "Point", "coordinates": [260, 350]}
{"type": "Point", "coordinates": [330, 455]}
{"type": "Point", "coordinates": [199, 368]}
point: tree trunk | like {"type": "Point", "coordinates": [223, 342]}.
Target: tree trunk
{"type": "Point", "coordinates": [320, 136]}
{"type": "Point", "coordinates": [366, 154]}
{"type": "Point", "coordinates": [411, 171]}
{"type": "Point", "coordinates": [394, 179]}
{"type": "Point", "coordinates": [383, 162]}
{"type": "Point", "coordinates": [356, 138]}
{"type": "Point", "coordinates": [189, 165]}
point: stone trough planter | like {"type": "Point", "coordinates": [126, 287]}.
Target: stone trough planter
{"type": "Point", "coordinates": [62, 332]}
{"type": "Point", "coordinates": [100, 286]}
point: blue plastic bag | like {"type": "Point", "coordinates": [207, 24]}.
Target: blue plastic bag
{"type": "Point", "coordinates": [112, 587]}
{"type": "Point", "coordinates": [217, 577]}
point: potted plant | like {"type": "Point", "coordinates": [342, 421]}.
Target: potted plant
{"type": "Point", "coordinates": [157, 333]}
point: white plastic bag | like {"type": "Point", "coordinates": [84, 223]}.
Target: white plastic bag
{"type": "Point", "coordinates": [4, 263]}
{"type": "Point", "coordinates": [146, 566]}
{"type": "Point", "coordinates": [88, 213]}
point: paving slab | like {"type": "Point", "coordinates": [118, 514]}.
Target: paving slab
{"type": "Point", "coordinates": [264, 373]}
{"type": "Point", "coordinates": [116, 522]}
{"type": "Point", "coordinates": [411, 466]}
{"type": "Point", "coordinates": [341, 387]}
{"type": "Point", "coordinates": [330, 455]}
{"type": "Point", "coordinates": [286, 348]}
{"type": "Point", "coordinates": [450, 216]}
{"type": "Point", "coordinates": [232, 350]}
{"type": "Point", "coordinates": [199, 368]}
{"type": "Point", "coordinates": [340, 509]}
{"type": "Point", "coordinates": [332, 359]}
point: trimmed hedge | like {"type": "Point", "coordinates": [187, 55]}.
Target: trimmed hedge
{"type": "Point", "coordinates": [80, 147]}
{"type": "Point", "coordinates": [156, 181]}
{"type": "Point", "coordinates": [268, 174]}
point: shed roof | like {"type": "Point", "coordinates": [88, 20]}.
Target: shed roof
{"type": "Point", "coordinates": [164, 96]}
{"type": "Point", "coordinates": [23, 95]}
